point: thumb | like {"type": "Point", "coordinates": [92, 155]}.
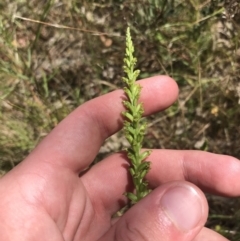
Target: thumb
{"type": "Point", "coordinates": [173, 211]}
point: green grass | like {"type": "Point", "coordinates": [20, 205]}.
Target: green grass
{"type": "Point", "coordinates": [47, 70]}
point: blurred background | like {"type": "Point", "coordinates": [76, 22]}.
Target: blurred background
{"type": "Point", "coordinates": [57, 54]}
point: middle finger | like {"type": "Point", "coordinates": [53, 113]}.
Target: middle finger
{"type": "Point", "coordinates": [110, 179]}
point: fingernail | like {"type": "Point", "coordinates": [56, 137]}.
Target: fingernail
{"type": "Point", "coordinates": [183, 207]}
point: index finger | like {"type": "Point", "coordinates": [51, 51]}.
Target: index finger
{"type": "Point", "coordinates": [75, 142]}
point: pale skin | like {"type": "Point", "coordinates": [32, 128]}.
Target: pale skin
{"type": "Point", "coordinates": [52, 196]}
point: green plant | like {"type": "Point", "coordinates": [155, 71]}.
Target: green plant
{"type": "Point", "coordinates": [134, 126]}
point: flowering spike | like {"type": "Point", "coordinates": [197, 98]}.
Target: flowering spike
{"type": "Point", "coordinates": [134, 126]}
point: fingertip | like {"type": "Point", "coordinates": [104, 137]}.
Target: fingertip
{"type": "Point", "coordinates": [159, 82]}
{"type": "Point", "coordinates": [159, 92]}
{"type": "Point", "coordinates": [166, 80]}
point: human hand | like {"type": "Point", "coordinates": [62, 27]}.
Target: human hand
{"type": "Point", "coordinates": [51, 195]}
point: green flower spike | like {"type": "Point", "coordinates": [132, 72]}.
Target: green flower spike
{"type": "Point", "coordinates": [134, 126]}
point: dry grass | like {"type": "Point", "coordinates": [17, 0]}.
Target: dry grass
{"type": "Point", "coordinates": [47, 70]}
